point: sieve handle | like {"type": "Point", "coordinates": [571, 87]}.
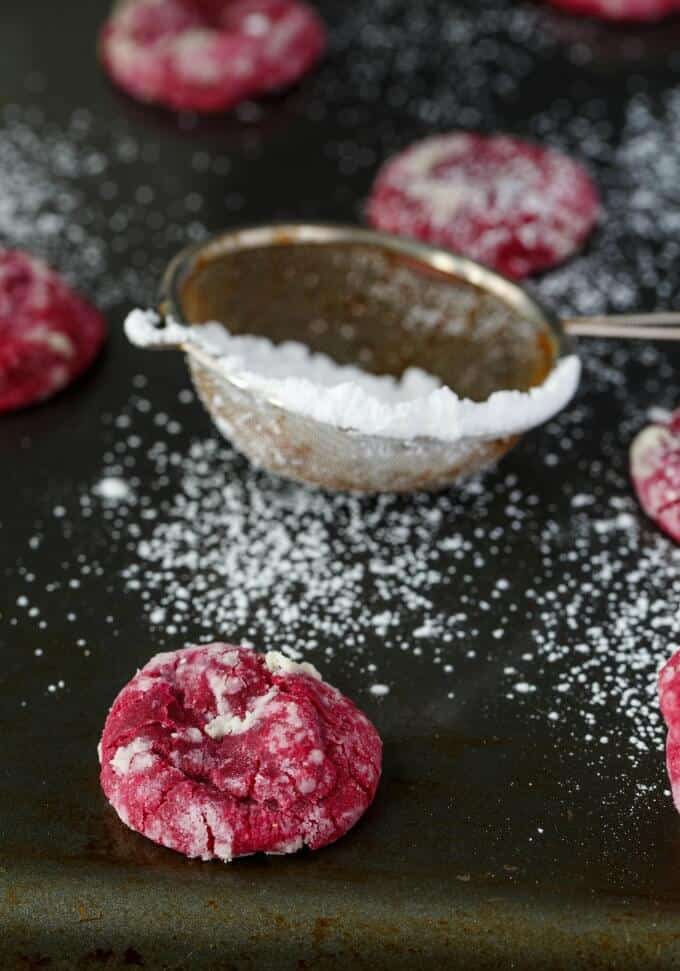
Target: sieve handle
{"type": "Point", "coordinates": [657, 326]}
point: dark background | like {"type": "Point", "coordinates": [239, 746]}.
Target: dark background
{"type": "Point", "coordinates": [448, 865]}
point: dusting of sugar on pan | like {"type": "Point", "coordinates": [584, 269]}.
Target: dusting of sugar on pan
{"type": "Point", "coordinates": [64, 196]}
{"type": "Point", "coordinates": [570, 636]}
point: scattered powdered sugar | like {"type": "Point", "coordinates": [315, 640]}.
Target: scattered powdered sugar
{"type": "Point", "coordinates": [63, 198]}
{"type": "Point", "coordinates": [416, 405]}
{"type": "Point", "coordinates": [582, 627]}
{"type": "Point", "coordinates": [112, 487]}
{"type": "Point", "coordinates": [629, 264]}
{"type": "Point", "coordinates": [41, 203]}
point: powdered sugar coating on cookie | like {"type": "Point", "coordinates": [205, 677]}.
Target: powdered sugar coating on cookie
{"type": "Point", "coordinates": [207, 55]}
{"type": "Point", "coordinates": [655, 471]}
{"type": "Point", "coordinates": [217, 752]}
{"type": "Point", "coordinates": [669, 700]}
{"type": "Point", "coordinates": [513, 205]}
{"type": "Point", "coordinates": [48, 333]}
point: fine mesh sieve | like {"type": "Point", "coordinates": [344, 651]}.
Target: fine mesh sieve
{"type": "Point", "coordinates": [368, 299]}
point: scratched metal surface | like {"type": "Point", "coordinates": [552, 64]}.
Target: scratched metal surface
{"type": "Point", "coordinates": [443, 871]}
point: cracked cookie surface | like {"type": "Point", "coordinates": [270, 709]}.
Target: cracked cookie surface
{"type": "Point", "coordinates": [49, 334]}
{"type": "Point", "coordinates": [655, 472]}
{"type": "Point", "coordinates": [516, 206]}
{"type": "Point", "coordinates": [207, 55]}
{"type": "Point", "coordinates": [217, 751]}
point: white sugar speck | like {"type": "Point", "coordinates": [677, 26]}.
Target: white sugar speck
{"type": "Point", "coordinates": [112, 487]}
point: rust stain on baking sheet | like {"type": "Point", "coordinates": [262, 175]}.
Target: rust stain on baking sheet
{"type": "Point", "coordinates": [85, 914]}
{"type": "Point", "coordinates": [11, 897]}
{"type": "Point", "coordinates": [323, 927]}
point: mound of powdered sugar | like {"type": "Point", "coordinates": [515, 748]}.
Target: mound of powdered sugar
{"type": "Point", "coordinates": [415, 405]}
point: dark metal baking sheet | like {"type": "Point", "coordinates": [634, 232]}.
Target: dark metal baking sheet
{"type": "Point", "coordinates": [447, 868]}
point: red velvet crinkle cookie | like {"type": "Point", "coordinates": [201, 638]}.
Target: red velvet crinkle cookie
{"type": "Point", "coordinates": [655, 471]}
{"type": "Point", "coordinates": [669, 699]}
{"type": "Point", "coordinates": [207, 55]}
{"type": "Point", "coordinates": [631, 10]}
{"type": "Point", "coordinates": [217, 752]}
{"type": "Point", "coordinates": [48, 334]}
{"type": "Point", "coordinates": [510, 204]}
